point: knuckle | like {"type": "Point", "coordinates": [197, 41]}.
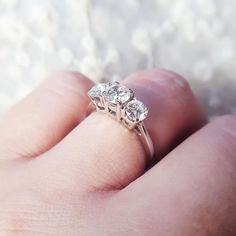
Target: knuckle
{"type": "Point", "coordinates": [223, 129]}
{"type": "Point", "coordinates": [174, 82]}
{"type": "Point", "coordinates": [70, 80]}
{"type": "Point", "coordinates": [166, 80]}
{"type": "Point", "coordinates": [170, 86]}
{"type": "Point", "coordinates": [66, 83]}
{"type": "Point", "coordinates": [227, 123]}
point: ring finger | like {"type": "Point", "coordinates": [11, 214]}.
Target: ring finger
{"type": "Point", "coordinates": [102, 154]}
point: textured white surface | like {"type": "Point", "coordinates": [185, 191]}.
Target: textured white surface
{"type": "Point", "coordinates": [107, 39]}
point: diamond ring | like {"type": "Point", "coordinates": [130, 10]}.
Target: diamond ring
{"type": "Point", "coordinates": [119, 102]}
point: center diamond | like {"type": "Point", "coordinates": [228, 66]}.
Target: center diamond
{"type": "Point", "coordinates": [118, 94]}
{"type": "Point", "coordinates": [136, 111]}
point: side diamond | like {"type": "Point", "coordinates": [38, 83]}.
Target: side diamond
{"type": "Point", "coordinates": [136, 111]}
{"type": "Point", "coordinates": [96, 91]}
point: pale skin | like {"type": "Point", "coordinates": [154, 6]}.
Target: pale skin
{"type": "Point", "coordinates": [65, 170]}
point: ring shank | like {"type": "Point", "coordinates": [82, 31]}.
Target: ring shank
{"type": "Point", "coordinates": [145, 139]}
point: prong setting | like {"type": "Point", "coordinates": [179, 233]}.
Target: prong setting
{"type": "Point", "coordinates": [119, 102]}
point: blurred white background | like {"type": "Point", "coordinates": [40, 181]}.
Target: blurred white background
{"type": "Point", "coordinates": [108, 39]}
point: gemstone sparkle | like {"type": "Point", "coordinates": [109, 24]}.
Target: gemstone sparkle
{"type": "Point", "coordinates": [96, 91]}
{"type": "Point", "coordinates": [117, 94]}
{"type": "Point", "coordinates": [136, 111]}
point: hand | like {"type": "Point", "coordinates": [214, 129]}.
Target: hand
{"type": "Point", "coordinates": [64, 172]}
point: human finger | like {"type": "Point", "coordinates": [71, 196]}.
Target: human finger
{"type": "Point", "coordinates": [45, 116]}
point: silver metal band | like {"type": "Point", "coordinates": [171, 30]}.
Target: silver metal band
{"type": "Point", "coordinates": [145, 139]}
{"type": "Point", "coordinates": [119, 102]}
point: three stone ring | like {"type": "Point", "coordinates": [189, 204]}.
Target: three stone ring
{"type": "Point", "coordinates": [119, 102]}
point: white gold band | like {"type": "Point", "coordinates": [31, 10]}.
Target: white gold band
{"type": "Point", "coordinates": [119, 102]}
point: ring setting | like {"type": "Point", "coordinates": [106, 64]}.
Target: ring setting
{"type": "Point", "coordinates": [119, 102]}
